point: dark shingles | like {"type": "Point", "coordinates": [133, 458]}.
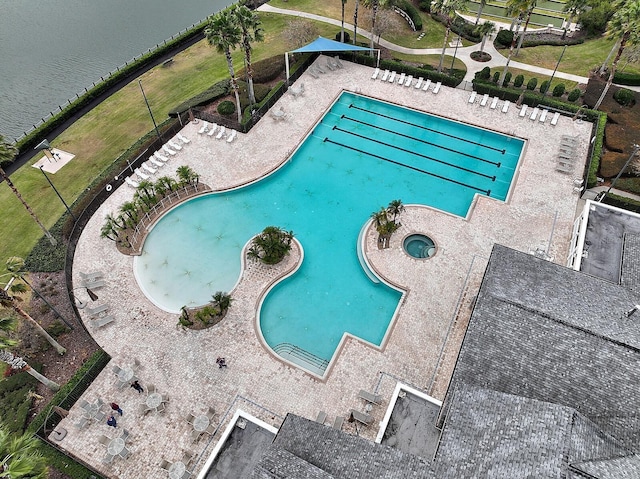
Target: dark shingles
{"type": "Point", "coordinates": [630, 271]}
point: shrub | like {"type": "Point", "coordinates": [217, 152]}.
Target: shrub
{"type": "Point", "coordinates": [518, 81]}
{"type": "Point", "coordinates": [15, 401]}
{"type": "Point", "coordinates": [484, 74]}
{"type": "Point", "coordinates": [211, 94]}
{"type": "Point", "coordinates": [271, 246]}
{"type": "Point", "coordinates": [507, 79]}
{"type": "Point", "coordinates": [624, 78]}
{"type": "Point", "coordinates": [226, 107]}
{"type": "Point", "coordinates": [531, 84]}
{"type": "Point", "coordinates": [496, 77]}
{"type": "Point", "coordinates": [544, 86]}
{"type": "Point", "coordinates": [412, 12]}
{"type": "Point", "coordinates": [425, 6]}
{"type": "Point", "coordinates": [574, 94]}
{"type": "Point", "coordinates": [347, 37]}
{"type": "Point", "coordinates": [594, 21]}
{"type": "Point", "coordinates": [504, 38]}
{"type": "Point", "coordinates": [558, 90]}
{"type": "Point", "coordinates": [625, 97]}
{"type": "Point", "coordinates": [266, 70]}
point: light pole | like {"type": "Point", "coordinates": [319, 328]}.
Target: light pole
{"type": "Point", "coordinates": [454, 55]}
{"type": "Point", "coordinates": [59, 195]}
{"type": "Point", "coordinates": [149, 108]}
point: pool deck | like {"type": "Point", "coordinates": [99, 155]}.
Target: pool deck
{"type": "Point", "coordinates": [422, 345]}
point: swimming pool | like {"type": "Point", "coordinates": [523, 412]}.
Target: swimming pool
{"type": "Point", "coordinates": [363, 154]}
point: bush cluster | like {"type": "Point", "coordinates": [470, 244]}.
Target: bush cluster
{"type": "Point", "coordinates": [268, 69]}
{"type": "Point", "coordinates": [624, 78]}
{"type": "Point", "coordinates": [425, 6]}
{"type": "Point", "coordinates": [14, 400]}
{"type": "Point", "coordinates": [412, 11]}
{"type": "Point", "coordinates": [347, 37]}
{"type": "Point", "coordinates": [532, 83]}
{"type": "Point", "coordinates": [574, 94]}
{"type": "Point", "coordinates": [558, 90]}
{"type": "Point", "coordinates": [544, 86]}
{"type": "Point", "coordinates": [625, 97]}
{"type": "Point", "coordinates": [226, 107]}
{"type": "Point", "coordinates": [504, 38]}
{"type": "Point", "coordinates": [218, 90]}
{"type": "Point", "coordinates": [507, 78]}
{"type": "Point", "coordinates": [518, 81]}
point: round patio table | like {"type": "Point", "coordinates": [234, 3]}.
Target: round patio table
{"type": "Point", "coordinates": [201, 423]}
{"type": "Point", "coordinates": [154, 400]}
{"type": "Point", "coordinates": [115, 446]}
{"type": "Point", "coordinates": [125, 375]}
{"type": "Point", "coordinates": [176, 470]}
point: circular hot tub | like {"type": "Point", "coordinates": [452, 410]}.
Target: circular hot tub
{"type": "Point", "coordinates": [419, 246]}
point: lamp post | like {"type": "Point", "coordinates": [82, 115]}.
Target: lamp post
{"type": "Point", "coordinates": [554, 71]}
{"type": "Point", "coordinates": [633, 153]}
{"type": "Point", "coordinates": [149, 108]}
{"type": "Point", "coordinates": [59, 195]}
{"type": "Point", "coordinates": [454, 55]}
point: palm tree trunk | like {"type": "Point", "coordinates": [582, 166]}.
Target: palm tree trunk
{"type": "Point", "coordinates": [355, 22]}
{"type": "Point", "coordinates": [444, 47]}
{"type": "Point", "coordinates": [524, 31]}
{"type": "Point", "coordinates": [606, 60]}
{"type": "Point", "coordinates": [479, 13]}
{"type": "Point", "coordinates": [506, 67]}
{"type": "Point", "coordinates": [373, 22]}
{"type": "Point", "coordinates": [484, 40]}
{"type": "Point", "coordinates": [247, 57]}
{"type": "Point", "coordinates": [20, 364]}
{"type": "Point", "coordinates": [234, 83]}
{"type": "Point", "coordinates": [342, 26]}
{"type": "Point", "coordinates": [41, 331]}
{"type": "Point", "coordinates": [5, 177]}
{"type": "Point", "coordinates": [623, 42]}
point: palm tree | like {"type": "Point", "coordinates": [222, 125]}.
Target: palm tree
{"type": "Point", "coordinates": [130, 210]}
{"type": "Point", "coordinates": [530, 5]}
{"type": "Point", "coordinates": [109, 229]}
{"type": "Point", "coordinates": [249, 24]}
{"type": "Point", "coordinates": [20, 456]}
{"type": "Point", "coordinates": [395, 208]}
{"type": "Point", "coordinates": [483, 3]}
{"type": "Point", "coordinates": [15, 266]}
{"type": "Point", "coordinates": [573, 8]}
{"type": "Point", "coordinates": [271, 246]}
{"type": "Point", "coordinates": [20, 364]}
{"type": "Point", "coordinates": [223, 33]}
{"type": "Point", "coordinates": [8, 153]}
{"type": "Point", "coordinates": [355, 21]}
{"type": "Point", "coordinates": [448, 8]}
{"type": "Point", "coordinates": [342, 25]}
{"type": "Point", "coordinates": [164, 184]}
{"type": "Point", "coordinates": [624, 26]}
{"type": "Point", "coordinates": [380, 217]}
{"type": "Point", "coordinates": [222, 301]}
{"type": "Point", "coordinates": [485, 30]}
{"type": "Point", "coordinates": [145, 193]}
{"type": "Point", "coordinates": [186, 176]}
{"type": "Point", "coordinates": [375, 5]}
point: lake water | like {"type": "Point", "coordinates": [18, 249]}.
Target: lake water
{"type": "Point", "coordinates": [52, 49]}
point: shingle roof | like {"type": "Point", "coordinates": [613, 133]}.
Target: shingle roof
{"type": "Point", "coordinates": [338, 454]}
{"type": "Point", "coordinates": [546, 332]}
{"type": "Point", "coordinates": [630, 270]}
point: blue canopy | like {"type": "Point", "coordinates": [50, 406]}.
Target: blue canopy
{"type": "Point", "coordinates": [322, 44]}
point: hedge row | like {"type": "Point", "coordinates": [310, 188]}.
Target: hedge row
{"type": "Point", "coordinates": [42, 131]}
{"type": "Point", "coordinates": [622, 202]}
{"type": "Point", "coordinates": [534, 99]}
{"type": "Point", "coordinates": [426, 71]}
{"type": "Point", "coordinates": [624, 78]}
{"type": "Point", "coordinates": [413, 13]}
{"type": "Point", "coordinates": [215, 91]}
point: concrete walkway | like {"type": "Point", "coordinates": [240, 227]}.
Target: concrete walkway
{"type": "Point", "coordinates": [464, 54]}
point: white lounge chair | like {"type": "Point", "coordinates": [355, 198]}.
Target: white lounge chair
{"type": "Point", "coordinates": [338, 62]}
{"type": "Point", "coordinates": [485, 99]}
{"type": "Point", "coordinates": [427, 84]}
{"type": "Point", "coordinates": [91, 276]}
{"type": "Point", "coordinates": [141, 175]}
{"type": "Point", "coordinates": [494, 103]}
{"type": "Point", "coordinates": [523, 111]}
{"type": "Point", "coordinates": [472, 97]}
{"type": "Point", "coordinates": [392, 77]}
{"type": "Point", "coordinates": [132, 183]}
{"type": "Point", "coordinates": [419, 83]}
{"type": "Point", "coordinates": [385, 75]}
{"type": "Point", "coordinates": [168, 150]}
{"type": "Point", "coordinates": [161, 157]}
{"type": "Point", "coordinates": [95, 284]}
{"type": "Point", "coordinates": [183, 138]}
{"type": "Point", "coordinates": [174, 145]}
{"type": "Point", "coordinates": [213, 129]}
{"type": "Point", "coordinates": [156, 162]}
{"type": "Point", "coordinates": [313, 73]}
{"type": "Point", "coordinates": [436, 89]}
{"type": "Point", "coordinates": [101, 308]}
{"type": "Point", "coordinates": [401, 79]}
{"type": "Point", "coordinates": [220, 133]}
{"type": "Point", "coordinates": [203, 128]}
{"type": "Point", "coordinates": [231, 136]}
{"type": "Point", "coordinates": [534, 114]}
{"type": "Point", "coordinates": [361, 417]}
{"type": "Point", "coordinates": [543, 116]}
{"type": "Point", "coordinates": [505, 107]}
{"type": "Point", "coordinates": [372, 398]}
{"type": "Point", "coordinates": [100, 322]}
{"type": "Point", "coordinates": [408, 81]}
{"type": "Point", "coordinates": [554, 120]}
{"type": "Point", "coordinates": [375, 74]}
{"type": "Point", "coordinates": [150, 169]}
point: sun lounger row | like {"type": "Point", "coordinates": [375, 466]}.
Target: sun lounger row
{"type": "Point", "coordinates": [219, 132]}
{"type": "Point", "coordinates": [405, 80]}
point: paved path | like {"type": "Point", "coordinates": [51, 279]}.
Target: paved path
{"type": "Point", "coordinates": [464, 54]}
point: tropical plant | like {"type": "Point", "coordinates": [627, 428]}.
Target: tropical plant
{"type": "Point", "coordinates": [130, 212]}
{"type": "Point", "coordinates": [625, 27]}
{"type": "Point", "coordinates": [7, 154]}
{"type": "Point", "coordinates": [109, 229]}
{"type": "Point", "coordinates": [395, 208]}
{"type": "Point", "coordinates": [223, 33]}
{"type": "Point", "coordinates": [528, 6]}
{"type": "Point", "coordinates": [164, 185]}
{"type": "Point", "coordinates": [573, 8]}
{"type": "Point", "coordinates": [20, 457]}
{"type": "Point", "coordinates": [448, 9]}
{"type": "Point", "coordinates": [186, 176]}
{"type": "Point", "coordinates": [222, 301]}
{"type": "Point", "coordinates": [16, 284]}
{"type": "Point", "coordinates": [145, 193]}
{"type": "Point", "coordinates": [271, 246]}
{"type": "Point", "coordinates": [485, 30]}
{"type": "Point", "coordinates": [249, 24]}
{"type": "Point", "coordinates": [20, 364]}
